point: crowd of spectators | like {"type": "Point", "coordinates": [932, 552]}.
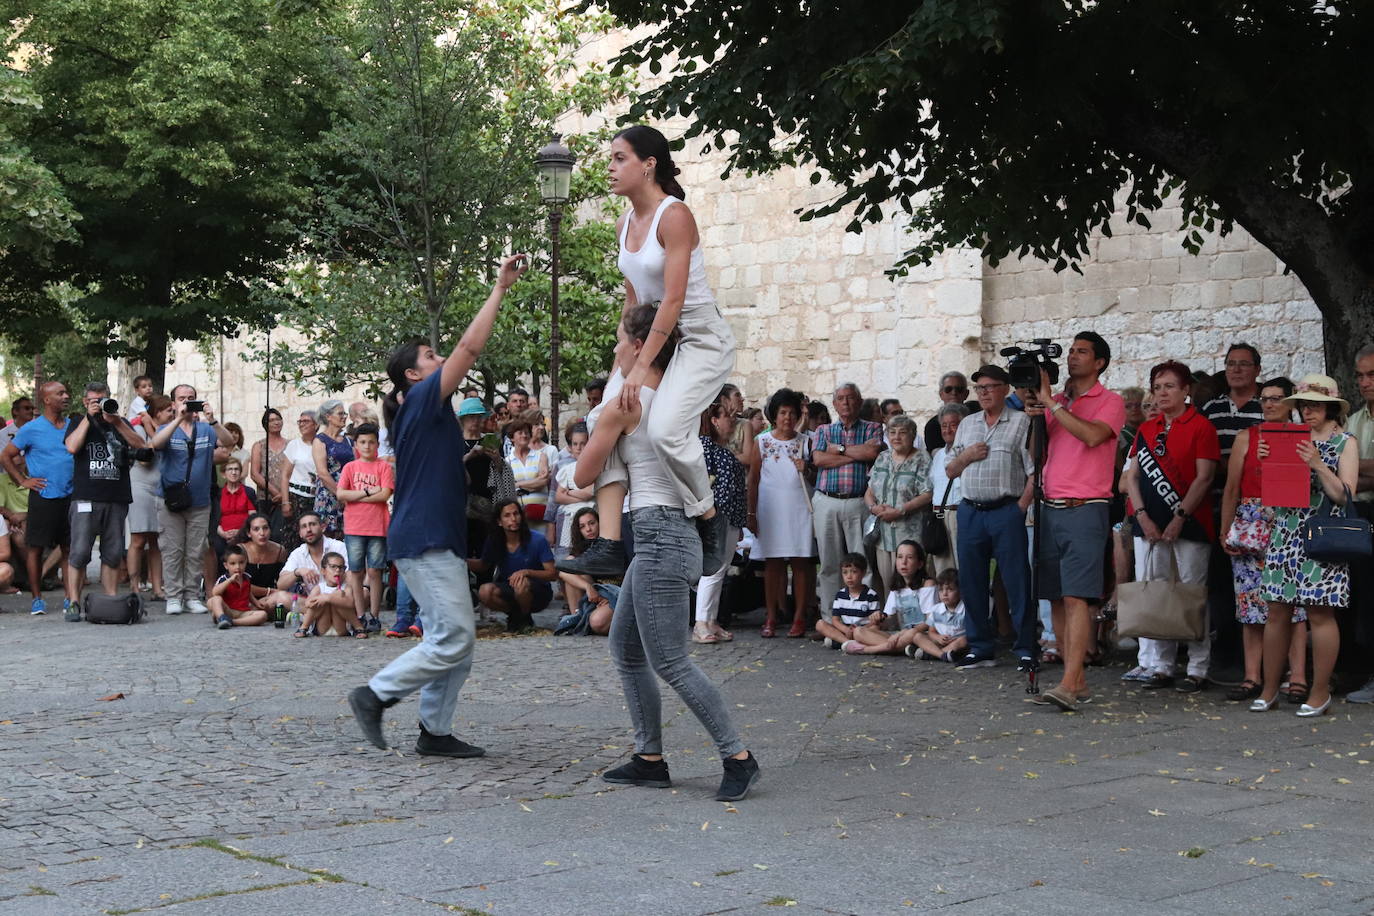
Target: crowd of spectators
{"type": "Point", "coordinates": [870, 530]}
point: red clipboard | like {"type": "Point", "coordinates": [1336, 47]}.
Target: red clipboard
{"type": "Point", "coordinates": [1285, 479]}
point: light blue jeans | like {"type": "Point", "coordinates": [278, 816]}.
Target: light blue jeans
{"type": "Point", "coordinates": [439, 665]}
{"type": "Point", "coordinates": [649, 631]}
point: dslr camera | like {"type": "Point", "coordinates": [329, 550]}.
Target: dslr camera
{"type": "Point", "coordinates": [1024, 363]}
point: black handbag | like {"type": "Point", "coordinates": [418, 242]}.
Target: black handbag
{"type": "Point", "coordinates": [935, 538]}
{"type": "Point", "coordinates": [1337, 536]}
{"type": "Point", "coordinates": [177, 496]}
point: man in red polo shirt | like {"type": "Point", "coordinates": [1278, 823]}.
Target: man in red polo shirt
{"type": "Point", "coordinates": [1082, 424]}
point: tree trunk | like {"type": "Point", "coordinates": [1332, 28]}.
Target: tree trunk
{"type": "Point", "coordinates": [155, 355]}
{"type": "Point", "coordinates": [434, 315]}
{"type": "Point", "coordinates": [1346, 327]}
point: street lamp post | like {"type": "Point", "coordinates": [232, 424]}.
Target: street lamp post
{"type": "Point", "coordinates": [555, 162]}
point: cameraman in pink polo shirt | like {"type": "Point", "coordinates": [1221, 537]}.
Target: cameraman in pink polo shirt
{"type": "Point", "coordinates": [1082, 423]}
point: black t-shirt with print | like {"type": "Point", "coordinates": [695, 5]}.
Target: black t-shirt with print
{"type": "Point", "coordinates": [101, 466]}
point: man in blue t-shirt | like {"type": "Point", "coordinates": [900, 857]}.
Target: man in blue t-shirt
{"type": "Point", "coordinates": [427, 533]}
{"type": "Point", "coordinates": [42, 442]}
{"type": "Point", "coordinates": [190, 439]}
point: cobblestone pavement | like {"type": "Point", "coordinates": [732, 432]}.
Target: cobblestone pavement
{"type": "Point", "coordinates": [230, 778]}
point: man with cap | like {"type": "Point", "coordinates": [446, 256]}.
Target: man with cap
{"type": "Point", "coordinates": [994, 468]}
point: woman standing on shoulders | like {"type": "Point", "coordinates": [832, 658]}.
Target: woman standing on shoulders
{"type": "Point", "coordinates": [1290, 578]}
{"type": "Point", "coordinates": [662, 260]}
{"type": "Point", "coordinates": [331, 452]}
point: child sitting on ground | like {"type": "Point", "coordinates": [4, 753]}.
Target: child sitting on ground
{"type": "Point", "coordinates": [329, 608]}
{"type": "Point", "coordinates": [591, 603]}
{"type": "Point", "coordinates": [855, 604]}
{"type": "Point", "coordinates": [941, 637]}
{"type": "Point", "coordinates": [234, 598]}
{"type": "Point", "coordinates": [903, 608]}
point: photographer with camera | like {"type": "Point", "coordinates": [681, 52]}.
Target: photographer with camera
{"type": "Point", "coordinates": [1082, 424]}
{"type": "Point", "coordinates": [102, 444]}
{"type": "Point", "coordinates": [187, 445]}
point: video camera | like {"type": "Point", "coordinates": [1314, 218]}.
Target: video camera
{"type": "Point", "coordinates": [1024, 363]}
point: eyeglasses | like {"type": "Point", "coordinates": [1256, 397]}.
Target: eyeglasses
{"type": "Point", "coordinates": [1240, 364]}
{"type": "Point", "coordinates": [951, 389]}
{"type": "Point", "coordinates": [1161, 442]}
{"type": "Point", "coordinates": [988, 389]}
{"type": "Point", "coordinates": [1272, 399]}
{"type": "Point", "coordinates": [333, 566]}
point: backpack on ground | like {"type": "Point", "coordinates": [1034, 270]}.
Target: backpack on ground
{"type": "Point", "coordinates": [103, 608]}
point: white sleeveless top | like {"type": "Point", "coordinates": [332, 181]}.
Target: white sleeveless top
{"type": "Point", "coordinates": [644, 268]}
{"type": "Point", "coordinates": [650, 482]}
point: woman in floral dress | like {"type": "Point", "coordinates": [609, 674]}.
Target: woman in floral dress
{"type": "Point", "coordinates": [899, 487]}
{"type": "Point", "coordinates": [1291, 577]}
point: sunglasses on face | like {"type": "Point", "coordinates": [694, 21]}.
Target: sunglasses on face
{"type": "Point", "coordinates": [951, 389]}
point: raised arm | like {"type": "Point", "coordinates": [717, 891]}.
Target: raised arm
{"type": "Point", "coordinates": [464, 355]}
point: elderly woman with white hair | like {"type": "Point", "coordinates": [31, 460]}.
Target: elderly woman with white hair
{"type": "Point", "coordinates": [899, 487]}
{"type": "Point", "coordinates": [945, 495]}
{"type": "Point", "coordinates": [332, 450]}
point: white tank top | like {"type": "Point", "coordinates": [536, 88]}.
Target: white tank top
{"type": "Point", "coordinates": [650, 483]}
{"type": "Point", "coordinates": [644, 268]}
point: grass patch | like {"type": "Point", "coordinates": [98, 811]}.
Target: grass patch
{"type": "Point", "coordinates": [36, 891]}
{"type": "Point", "coordinates": [317, 873]}
{"type": "Point", "coordinates": [780, 901]}
{"type": "Point", "coordinates": [727, 872]}
{"type": "Point", "coordinates": [207, 896]}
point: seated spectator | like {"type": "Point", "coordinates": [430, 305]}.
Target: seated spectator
{"type": "Point", "coordinates": [234, 600]}
{"type": "Point", "coordinates": [592, 603]}
{"type": "Point", "coordinates": [903, 608]}
{"type": "Point", "coordinates": [365, 486]}
{"type": "Point", "coordinates": [303, 568]}
{"type": "Point", "coordinates": [328, 609]}
{"type": "Point", "coordinates": [855, 605]}
{"type": "Point", "coordinates": [266, 558]}
{"type": "Point", "coordinates": [236, 503]}
{"type": "Point", "coordinates": [523, 564]}
{"type": "Point", "coordinates": [941, 637]}
{"type": "Point", "coordinates": [6, 568]}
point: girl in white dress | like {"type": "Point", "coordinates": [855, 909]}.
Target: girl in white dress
{"type": "Point", "coordinates": [780, 511]}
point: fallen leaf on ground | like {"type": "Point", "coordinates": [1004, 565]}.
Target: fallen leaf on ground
{"type": "Point", "coordinates": [113, 696]}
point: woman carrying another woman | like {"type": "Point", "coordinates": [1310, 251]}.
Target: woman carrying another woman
{"type": "Point", "coordinates": [330, 451]}
{"type": "Point", "coordinates": [1178, 453]}
{"type": "Point", "coordinates": [1290, 577]}
{"type": "Point", "coordinates": [661, 258]}
{"type": "Point", "coordinates": [780, 514]}
{"type": "Point", "coordinates": [647, 632]}
{"type": "Point", "coordinates": [899, 486]}
{"type": "Point", "coordinates": [1246, 525]}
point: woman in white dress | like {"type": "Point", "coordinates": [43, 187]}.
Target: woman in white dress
{"type": "Point", "coordinates": [780, 512]}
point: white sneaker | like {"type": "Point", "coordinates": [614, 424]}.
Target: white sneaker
{"type": "Point", "coordinates": [196, 606]}
{"type": "Point", "coordinates": [173, 606]}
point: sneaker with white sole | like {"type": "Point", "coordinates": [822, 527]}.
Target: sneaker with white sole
{"type": "Point", "coordinates": [174, 606]}
{"type": "Point", "coordinates": [1364, 695]}
{"type": "Point", "coordinates": [196, 606]}
{"type": "Point", "coordinates": [38, 608]}
{"type": "Point", "coordinates": [914, 651]}
{"type": "Point", "coordinates": [975, 661]}
{"type": "Point", "coordinates": [1138, 673]}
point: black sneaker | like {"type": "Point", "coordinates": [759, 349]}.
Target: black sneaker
{"type": "Point", "coordinates": [975, 661]}
{"type": "Point", "coordinates": [602, 559]}
{"type": "Point", "coordinates": [225, 623]}
{"type": "Point", "coordinates": [373, 625]}
{"type": "Point", "coordinates": [445, 746]}
{"type": "Point", "coordinates": [713, 532]}
{"type": "Point", "coordinates": [640, 772]}
{"type": "Point", "coordinates": [367, 709]}
{"type": "Point", "coordinates": [739, 776]}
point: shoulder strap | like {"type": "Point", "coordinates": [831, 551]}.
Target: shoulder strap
{"type": "Point", "coordinates": [664, 204]}
{"type": "Point", "coordinates": [191, 451]}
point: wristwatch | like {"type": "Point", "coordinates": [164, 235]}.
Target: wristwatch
{"type": "Point", "coordinates": [1180, 512]}
{"type": "Point", "coordinates": [1138, 513]}
{"type": "Point", "coordinates": [842, 448]}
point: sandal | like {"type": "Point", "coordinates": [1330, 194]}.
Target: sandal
{"type": "Point", "coordinates": [1297, 692]}
{"type": "Point", "coordinates": [301, 633]}
{"type": "Point", "coordinates": [701, 633]}
{"type": "Point", "coordinates": [797, 630]}
{"type": "Point", "coordinates": [1050, 656]}
{"type": "Point", "coordinates": [768, 632]}
{"type": "Point", "coordinates": [1245, 690]}
{"type": "Point", "coordinates": [721, 634]}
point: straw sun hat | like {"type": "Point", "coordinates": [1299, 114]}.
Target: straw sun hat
{"type": "Point", "coordinates": [1316, 387]}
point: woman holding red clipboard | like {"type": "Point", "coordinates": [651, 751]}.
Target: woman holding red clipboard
{"type": "Point", "coordinates": [1291, 577]}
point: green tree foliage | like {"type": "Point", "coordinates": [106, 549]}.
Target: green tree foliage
{"type": "Point", "coordinates": [429, 178]}
{"type": "Point", "coordinates": [1013, 126]}
{"type": "Point", "coordinates": [183, 132]}
{"type": "Point", "coordinates": [34, 212]}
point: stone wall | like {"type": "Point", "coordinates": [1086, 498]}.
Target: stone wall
{"type": "Point", "coordinates": [1153, 300]}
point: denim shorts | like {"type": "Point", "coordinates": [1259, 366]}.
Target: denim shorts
{"type": "Point", "coordinates": [365, 551]}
